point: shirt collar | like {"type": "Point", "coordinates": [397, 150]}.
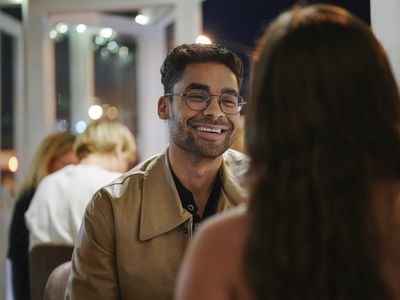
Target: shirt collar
{"type": "Point", "coordinates": [189, 203]}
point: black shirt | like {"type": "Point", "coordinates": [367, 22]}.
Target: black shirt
{"type": "Point", "coordinates": [189, 204]}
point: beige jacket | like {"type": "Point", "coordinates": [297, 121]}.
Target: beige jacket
{"type": "Point", "coordinates": [135, 231]}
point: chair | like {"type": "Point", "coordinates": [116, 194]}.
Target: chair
{"type": "Point", "coordinates": [43, 259]}
{"type": "Point", "coordinates": [57, 283]}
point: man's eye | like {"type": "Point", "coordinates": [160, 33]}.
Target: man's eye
{"type": "Point", "coordinates": [229, 103]}
{"type": "Point", "coordinates": [229, 100]}
{"type": "Point", "coordinates": [197, 97]}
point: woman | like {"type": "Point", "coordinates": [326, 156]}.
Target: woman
{"type": "Point", "coordinates": [104, 150]}
{"type": "Point", "coordinates": [54, 152]}
{"type": "Point", "coordinates": [323, 134]}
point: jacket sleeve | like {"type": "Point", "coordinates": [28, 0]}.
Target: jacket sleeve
{"type": "Point", "coordinates": [94, 270]}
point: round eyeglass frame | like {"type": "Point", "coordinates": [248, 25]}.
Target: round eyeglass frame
{"type": "Point", "coordinates": [239, 106]}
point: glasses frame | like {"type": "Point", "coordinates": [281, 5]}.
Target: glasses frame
{"type": "Point", "coordinates": [241, 101]}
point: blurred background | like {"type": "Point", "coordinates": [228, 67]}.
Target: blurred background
{"type": "Point", "coordinates": [64, 63]}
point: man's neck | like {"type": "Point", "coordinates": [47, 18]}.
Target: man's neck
{"type": "Point", "coordinates": [196, 173]}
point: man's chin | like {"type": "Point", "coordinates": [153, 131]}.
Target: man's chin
{"type": "Point", "coordinates": [211, 152]}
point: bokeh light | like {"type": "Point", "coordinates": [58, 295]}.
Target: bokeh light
{"type": "Point", "coordinates": [81, 28]}
{"type": "Point", "coordinates": [13, 164]}
{"type": "Point", "coordinates": [202, 39]}
{"type": "Point", "coordinates": [95, 112]}
{"type": "Point", "coordinates": [106, 32]}
{"type": "Point", "coordinates": [142, 19]}
{"type": "Point", "coordinates": [80, 126]}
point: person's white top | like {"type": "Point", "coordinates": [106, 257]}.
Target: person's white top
{"type": "Point", "coordinates": [58, 205]}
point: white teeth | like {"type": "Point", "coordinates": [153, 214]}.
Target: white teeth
{"type": "Point", "coordinates": [214, 130]}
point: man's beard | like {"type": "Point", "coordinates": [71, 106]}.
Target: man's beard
{"type": "Point", "coordinates": [186, 141]}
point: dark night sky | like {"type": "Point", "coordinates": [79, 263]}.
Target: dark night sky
{"type": "Point", "coordinates": [243, 21]}
{"type": "Point", "coordinates": [237, 24]}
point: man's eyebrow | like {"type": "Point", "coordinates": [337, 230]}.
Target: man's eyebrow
{"type": "Point", "coordinates": [229, 90]}
{"type": "Point", "coordinates": [199, 86]}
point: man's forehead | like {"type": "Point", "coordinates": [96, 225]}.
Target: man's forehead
{"type": "Point", "coordinates": [207, 65]}
{"type": "Point", "coordinates": [208, 76]}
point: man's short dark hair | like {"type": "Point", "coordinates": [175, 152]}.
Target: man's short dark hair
{"type": "Point", "coordinates": [178, 58]}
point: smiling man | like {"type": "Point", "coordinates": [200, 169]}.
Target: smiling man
{"type": "Point", "coordinates": [135, 230]}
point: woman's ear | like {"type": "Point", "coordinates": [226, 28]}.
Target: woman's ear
{"type": "Point", "coordinates": [163, 108]}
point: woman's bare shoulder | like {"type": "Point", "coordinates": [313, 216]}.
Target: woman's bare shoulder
{"type": "Point", "coordinates": [213, 261]}
{"type": "Point", "coordinates": [225, 228]}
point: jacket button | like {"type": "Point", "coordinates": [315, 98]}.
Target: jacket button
{"type": "Point", "coordinates": [190, 207]}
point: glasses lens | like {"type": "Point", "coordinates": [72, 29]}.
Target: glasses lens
{"type": "Point", "coordinates": [197, 99]}
{"type": "Point", "coordinates": [230, 103]}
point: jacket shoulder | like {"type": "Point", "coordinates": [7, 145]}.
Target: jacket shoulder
{"type": "Point", "coordinates": [235, 156]}
{"type": "Point", "coordinates": [237, 162]}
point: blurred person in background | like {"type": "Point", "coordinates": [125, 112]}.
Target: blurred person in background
{"type": "Point", "coordinates": [136, 230]}
{"type": "Point", "coordinates": [104, 150]}
{"type": "Point", "coordinates": [322, 131]}
{"type": "Point", "coordinates": [54, 152]}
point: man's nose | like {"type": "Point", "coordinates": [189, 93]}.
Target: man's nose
{"type": "Point", "coordinates": [214, 109]}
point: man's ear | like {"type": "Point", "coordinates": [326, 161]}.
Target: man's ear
{"type": "Point", "coordinates": [163, 108]}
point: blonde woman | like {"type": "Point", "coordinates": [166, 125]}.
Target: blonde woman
{"type": "Point", "coordinates": [54, 152]}
{"type": "Point", "coordinates": [105, 150]}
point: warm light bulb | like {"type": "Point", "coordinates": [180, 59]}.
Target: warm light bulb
{"type": "Point", "coordinates": [202, 39]}
{"type": "Point", "coordinates": [13, 164]}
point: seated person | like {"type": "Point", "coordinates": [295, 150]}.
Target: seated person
{"type": "Point", "coordinates": [135, 231]}
{"type": "Point", "coordinates": [104, 149]}
{"type": "Point", "coordinates": [54, 152]}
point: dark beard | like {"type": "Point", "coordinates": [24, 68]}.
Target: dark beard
{"type": "Point", "coordinates": [187, 142]}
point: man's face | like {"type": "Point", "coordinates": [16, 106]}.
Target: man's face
{"type": "Point", "coordinates": [208, 133]}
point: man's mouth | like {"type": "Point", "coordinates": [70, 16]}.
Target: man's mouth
{"type": "Point", "coordinates": [208, 129]}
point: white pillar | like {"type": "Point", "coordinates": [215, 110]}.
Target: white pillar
{"type": "Point", "coordinates": [40, 102]}
{"type": "Point", "coordinates": [189, 22]}
{"type": "Point", "coordinates": [40, 79]}
{"type": "Point", "coordinates": [385, 21]}
{"type": "Point", "coordinates": [152, 135]}
{"type": "Point", "coordinates": [81, 75]}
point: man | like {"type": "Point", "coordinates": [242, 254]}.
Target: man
{"type": "Point", "coordinates": [135, 230]}
{"type": "Point", "coordinates": [104, 150]}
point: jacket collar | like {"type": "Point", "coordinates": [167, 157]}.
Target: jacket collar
{"type": "Point", "coordinates": [161, 209]}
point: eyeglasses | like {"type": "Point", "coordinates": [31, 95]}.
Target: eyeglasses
{"type": "Point", "coordinates": [197, 99]}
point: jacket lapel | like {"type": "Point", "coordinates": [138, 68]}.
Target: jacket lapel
{"type": "Point", "coordinates": [161, 209]}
